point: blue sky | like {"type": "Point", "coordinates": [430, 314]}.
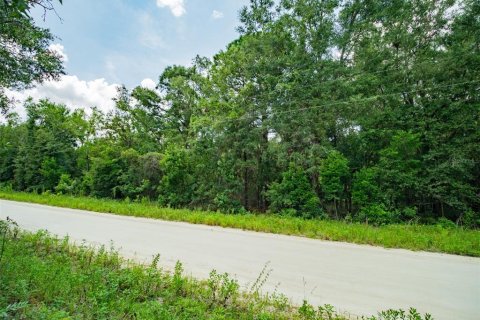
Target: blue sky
{"type": "Point", "coordinates": [106, 43]}
{"type": "Point", "coordinates": [126, 41]}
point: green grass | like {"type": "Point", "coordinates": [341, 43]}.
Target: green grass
{"type": "Point", "coordinates": [43, 277]}
{"type": "Point", "coordinates": [413, 237]}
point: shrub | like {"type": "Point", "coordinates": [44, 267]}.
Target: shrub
{"type": "Point", "coordinates": [409, 213]}
{"type": "Point", "coordinates": [66, 185]}
{"type": "Point", "coordinates": [224, 202]}
{"type": "Point", "coordinates": [294, 195]}
{"type": "Point", "coordinates": [471, 219]}
{"type": "Point", "coordinates": [412, 314]}
{"type": "Point", "coordinates": [377, 215]}
{"type": "Point", "coordinates": [365, 189]}
{"type": "Point", "coordinates": [334, 176]}
{"type": "Point", "coordinates": [177, 185]}
{"type": "Point", "coordinates": [446, 223]}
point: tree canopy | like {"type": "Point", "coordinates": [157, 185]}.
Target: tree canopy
{"type": "Point", "coordinates": [25, 57]}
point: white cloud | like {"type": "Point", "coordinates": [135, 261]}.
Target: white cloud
{"type": "Point", "coordinates": [177, 7]}
{"type": "Point", "coordinates": [59, 50]}
{"type": "Point", "coordinates": [217, 14]}
{"type": "Point", "coordinates": [72, 92]}
{"type": "Point", "coordinates": [148, 83]}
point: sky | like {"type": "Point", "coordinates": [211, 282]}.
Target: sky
{"type": "Point", "coordinates": [110, 42]}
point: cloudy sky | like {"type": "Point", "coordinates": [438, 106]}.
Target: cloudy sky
{"type": "Point", "coordinates": [110, 42]}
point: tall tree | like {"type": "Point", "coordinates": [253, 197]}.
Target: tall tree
{"type": "Point", "coordinates": [25, 57]}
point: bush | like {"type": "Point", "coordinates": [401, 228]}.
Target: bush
{"type": "Point", "coordinates": [105, 178]}
{"type": "Point", "coordinates": [178, 184]}
{"type": "Point", "coordinates": [294, 195]}
{"type": "Point", "coordinates": [333, 178]}
{"type": "Point", "coordinates": [66, 185]}
{"type": "Point", "coordinates": [224, 202]}
{"type": "Point", "coordinates": [471, 219]}
{"type": "Point", "coordinates": [446, 223]}
{"type": "Point", "coordinates": [365, 189]}
{"type": "Point", "coordinates": [412, 314]}
{"type": "Point", "coordinates": [409, 213]}
{"type": "Point", "coordinates": [376, 214]}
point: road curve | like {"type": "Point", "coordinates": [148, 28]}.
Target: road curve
{"type": "Point", "coordinates": [357, 279]}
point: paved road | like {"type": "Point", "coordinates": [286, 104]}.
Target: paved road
{"type": "Point", "coordinates": [354, 278]}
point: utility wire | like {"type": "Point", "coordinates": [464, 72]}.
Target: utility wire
{"type": "Point", "coordinates": [349, 101]}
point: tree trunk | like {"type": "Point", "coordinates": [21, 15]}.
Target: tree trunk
{"type": "Point", "coordinates": [336, 209]}
{"type": "Point", "coordinates": [245, 182]}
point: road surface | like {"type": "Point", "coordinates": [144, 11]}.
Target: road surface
{"type": "Point", "coordinates": [357, 279]}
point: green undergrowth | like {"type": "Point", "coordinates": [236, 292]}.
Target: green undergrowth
{"type": "Point", "coordinates": [44, 277]}
{"type": "Point", "coordinates": [434, 238]}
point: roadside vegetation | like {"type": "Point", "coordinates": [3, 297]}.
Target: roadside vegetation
{"type": "Point", "coordinates": [445, 238]}
{"type": "Point", "coordinates": [43, 277]}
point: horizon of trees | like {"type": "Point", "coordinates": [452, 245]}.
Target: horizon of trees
{"type": "Point", "coordinates": [353, 109]}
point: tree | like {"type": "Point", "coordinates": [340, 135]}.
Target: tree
{"type": "Point", "coordinates": [47, 150]}
{"type": "Point", "coordinates": [141, 176]}
{"type": "Point", "coordinates": [399, 169]}
{"type": "Point", "coordinates": [12, 134]}
{"type": "Point", "coordinates": [25, 57]}
{"type": "Point", "coordinates": [334, 175]}
{"type": "Point", "coordinates": [182, 93]}
{"type": "Point", "coordinates": [106, 172]}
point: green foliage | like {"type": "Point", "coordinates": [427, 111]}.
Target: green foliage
{"type": "Point", "coordinates": [11, 135]}
{"type": "Point", "coordinates": [445, 223]}
{"type": "Point", "coordinates": [326, 312]}
{"type": "Point", "coordinates": [223, 289]}
{"type": "Point", "coordinates": [294, 195]}
{"type": "Point", "coordinates": [399, 168]}
{"type": "Point", "coordinates": [47, 147]}
{"type": "Point", "coordinates": [50, 172]}
{"type": "Point", "coordinates": [366, 189]}
{"type": "Point", "coordinates": [412, 314]}
{"type": "Point", "coordinates": [141, 174]}
{"type": "Point", "coordinates": [471, 219]}
{"type": "Point", "coordinates": [224, 202]}
{"type": "Point", "coordinates": [177, 185]}
{"type": "Point", "coordinates": [376, 214]}
{"type": "Point", "coordinates": [334, 176]}
{"type": "Point", "coordinates": [24, 50]}
{"type": "Point", "coordinates": [106, 172]}
{"type": "Point", "coordinates": [67, 185]}
{"type": "Point", "coordinates": [409, 213]}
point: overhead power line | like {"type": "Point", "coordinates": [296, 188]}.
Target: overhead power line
{"type": "Point", "coordinates": [345, 101]}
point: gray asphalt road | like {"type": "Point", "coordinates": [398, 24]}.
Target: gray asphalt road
{"type": "Point", "coordinates": [357, 279]}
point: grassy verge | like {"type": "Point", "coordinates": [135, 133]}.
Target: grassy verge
{"type": "Point", "coordinates": [43, 277]}
{"type": "Point", "coordinates": [414, 237]}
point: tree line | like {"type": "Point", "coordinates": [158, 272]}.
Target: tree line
{"type": "Point", "coordinates": [352, 109]}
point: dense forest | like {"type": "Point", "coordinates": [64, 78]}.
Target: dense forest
{"type": "Point", "coordinates": [351, 109]}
